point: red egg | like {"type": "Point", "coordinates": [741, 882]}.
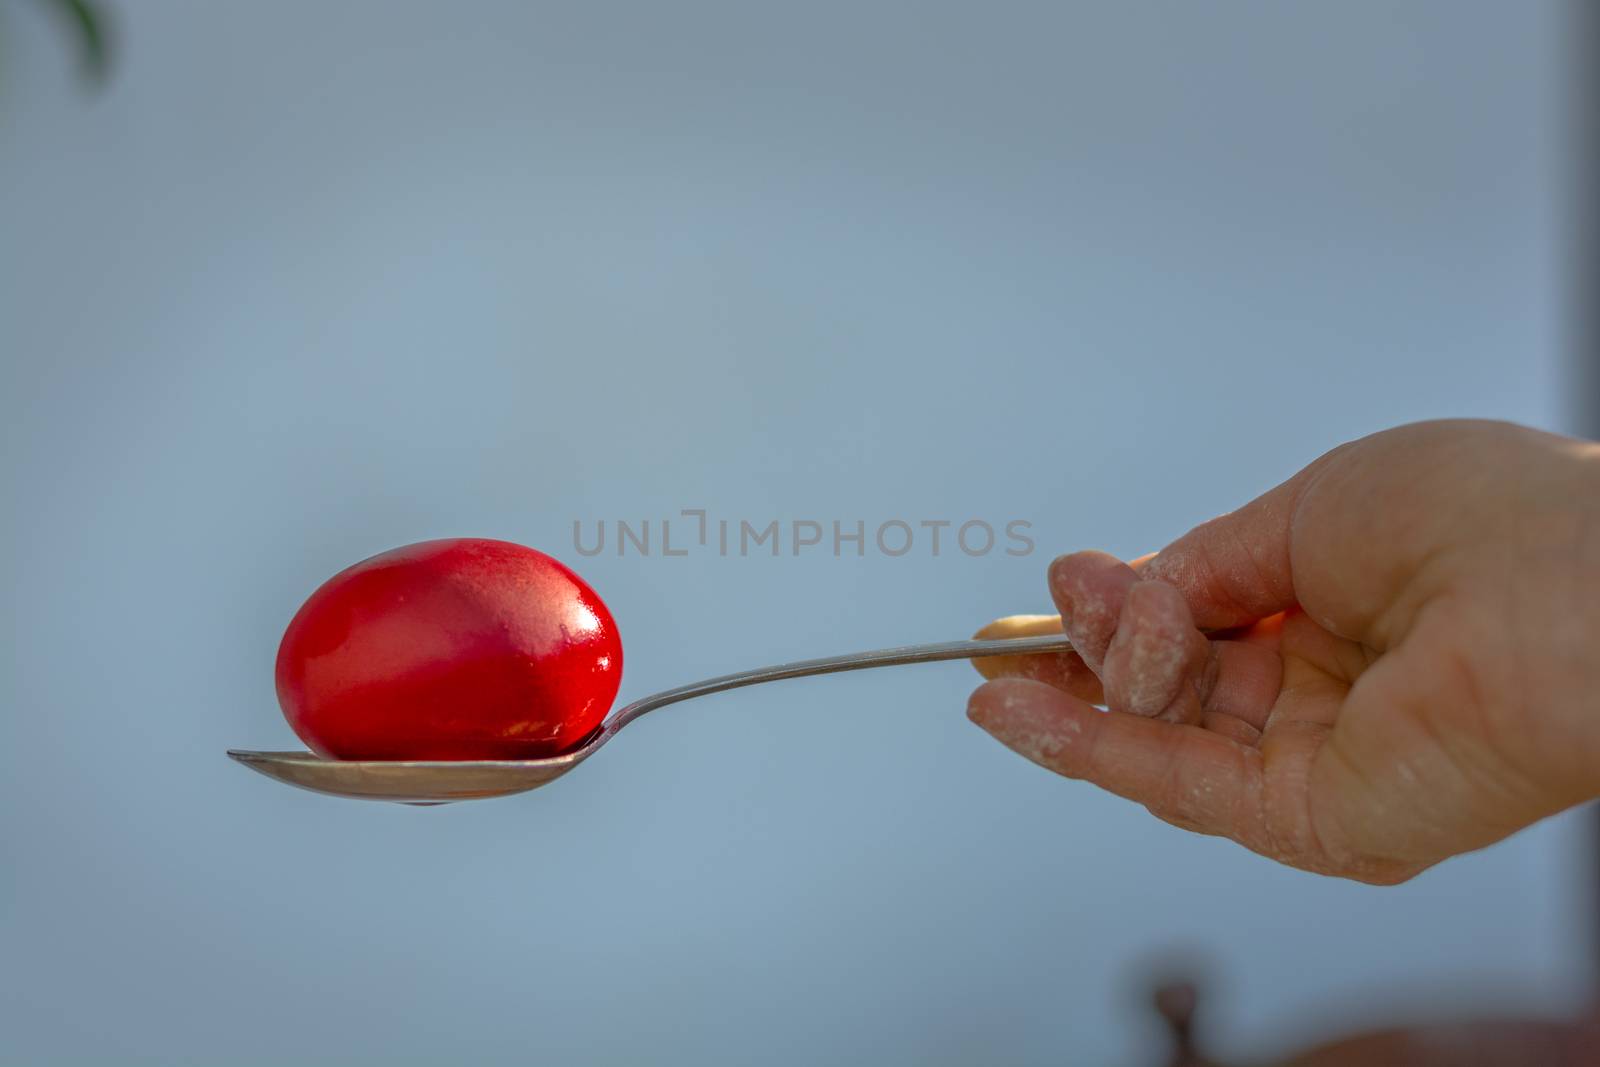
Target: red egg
{"type": "Point", "coordinates": [449, 650]}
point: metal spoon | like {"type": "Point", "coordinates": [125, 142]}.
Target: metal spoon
{"type": "Point", "coordinates": [441, 781]}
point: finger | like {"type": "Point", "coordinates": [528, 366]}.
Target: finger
{"type": "Point", "coordinates": [1159, 665]}
{"type": "Point", "coordinates": [1064, 670]}
{"type": "Point", "coordinates": [1157, 662]}
{"type": "Point", "coordinates": [1089, 589]}
{"type": "Point", "coordinates": [1246, 678]}
{"type": "Point", "coordinates": [1232, 727]}
{"type": "Point", "coordinates": [1362, 521]}
{"type": "Point", "coordinates": [1267, 632]}
{"type": "Point", "coordinates": [1187, 775]}
{"type": "Point", "coordinates": [1235, 569]}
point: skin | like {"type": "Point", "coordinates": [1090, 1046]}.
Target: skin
{"type": "Point", "coordinates": [1390, 659]}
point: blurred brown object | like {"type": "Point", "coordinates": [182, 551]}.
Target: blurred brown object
{"type": "Point", "coordinates": [1480, 1043]}
{"type": "Point", "coordinates": [1483, 1042]}
{"type": "Point", "coordinates": [1176, 1002]}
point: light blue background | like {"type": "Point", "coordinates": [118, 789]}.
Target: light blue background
{"type": "Point", "coordinates": [311, 280]}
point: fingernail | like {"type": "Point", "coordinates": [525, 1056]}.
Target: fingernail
{"type": "Point", "coordinates": [1059, 591]}
{"type": "Point", "coordinates": [977, 711]}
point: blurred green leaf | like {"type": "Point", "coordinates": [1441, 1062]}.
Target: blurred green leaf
{"type": "Point", "coordinates": [89, 28]}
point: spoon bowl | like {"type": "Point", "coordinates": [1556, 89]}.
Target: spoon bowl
{"type": "Point", "coordinates": [409, 781]}
{"type": "Point", "coordinates": [444, 781]}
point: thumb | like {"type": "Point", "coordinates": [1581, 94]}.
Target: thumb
{"type": "Point", "coordinates": [1235, 569]}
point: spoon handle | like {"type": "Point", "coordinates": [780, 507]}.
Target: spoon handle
{"type": "Point", "coordinates": [854, 661]}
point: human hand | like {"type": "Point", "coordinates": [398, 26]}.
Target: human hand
{"type": "Point", "coordinates": [1389, 659]}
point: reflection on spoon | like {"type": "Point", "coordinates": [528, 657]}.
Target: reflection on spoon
{"type": "Point", "coordinates": [442, 781]}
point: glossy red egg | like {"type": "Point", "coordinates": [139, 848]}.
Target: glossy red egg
{"type": "Point", "coordinates": [449, 650]}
